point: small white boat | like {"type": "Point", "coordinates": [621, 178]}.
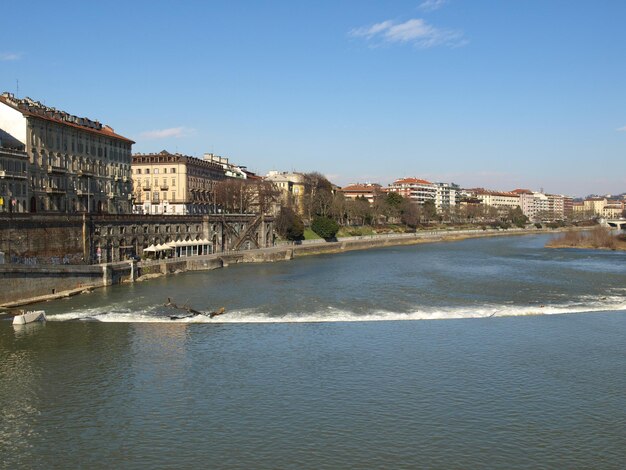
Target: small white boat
{"type": "Point", "coordinates": [29, 317]}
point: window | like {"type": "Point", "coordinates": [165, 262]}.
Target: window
{"type": "Point", "coordinates": [156, 171]}
{"type": "Point", "coordinates": [173, 170]}
{"type": "Point", "coordinates": [147, 171]}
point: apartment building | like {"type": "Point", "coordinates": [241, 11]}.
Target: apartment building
{"type": "Point", "coordinates": [415, 189]}
{"type": "Point", "coordinates": [175, 184]}
{"type": "Point", "coordinates": [447, 195]}
{"type": "Point", "coordinates": [75, 164]}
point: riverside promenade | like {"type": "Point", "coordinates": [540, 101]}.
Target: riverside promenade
{"type": "Point", "coordinates": [28, 285]}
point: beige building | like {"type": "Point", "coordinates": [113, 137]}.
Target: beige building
{"type": "Point", "coordinates": [74, 164]}
{"type": "Point", "coordinates": [613, 211]}
{"type": "Point", "coordinates": [595, 205]}
{"type": "Point", "coordinates": [291, 187]}
{"type": "Point", "coordinates": [175, 184]}
{"type": "Point", "coordinates": [497, 199]}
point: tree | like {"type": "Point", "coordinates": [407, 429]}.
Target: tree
{"type": "Point", "coordinates": [517, 217]}
{"type": "Point", "coordinates": [325, 227]}
{"type": "Point", "coordinates": [289, 225]}
{"type": "Point", "coordinates": [430, 210]}
{"type": "Point", "coordinates": [410, 213]}
{"type": "Point", "coordinates": [394, 199]}
{"type": "Point", "coordinates": [267, 194]}
{"type": "Point", "coordinates": [359, 211]}
{"type": "Point", "coordinates": [318, 192]}
{"type": "Point", "coordinates": [233, 195]}
{"type": "Point", "coordinates": [246, 196]}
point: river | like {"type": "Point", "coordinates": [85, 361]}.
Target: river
{"type": "Point", "coordinates": [493, 353]}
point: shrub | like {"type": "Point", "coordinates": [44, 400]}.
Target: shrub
{"type": "Point", "coordinates": [325, 227]}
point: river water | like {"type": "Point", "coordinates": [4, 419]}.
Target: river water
{"type": "Point", "coordinates": [492, 353]}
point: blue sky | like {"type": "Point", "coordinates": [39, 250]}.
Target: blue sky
{"type": "Point", "coordinates": [500, 94]}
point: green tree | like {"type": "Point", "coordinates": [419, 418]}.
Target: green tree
{"type": "Point", "coordinates": [325, 227]}
{"type": "Point", "coordinates": [289, 225]}
{"type": "Point", "coordinates": [517, 217]}
{"type": "Point", "coordinates": [394, 199]}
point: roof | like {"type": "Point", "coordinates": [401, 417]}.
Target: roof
{"type": "Point", "coordinates": [411, 181]}
{"type": "Point", "coordinates": [361, 187]}
{"type": "Point", "coordinates": [522, 191]}
{"type": "Point", "coordinates": [32, 108]}
{"type": "Point", "coordinates": [166, 157]}
{"type": "Point", "coordinates": [487, 192]}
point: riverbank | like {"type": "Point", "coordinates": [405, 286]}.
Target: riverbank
{"type": "Point", "coordinates": [24, 290]}
{"type": "Point", "coordinates": [599, 238]}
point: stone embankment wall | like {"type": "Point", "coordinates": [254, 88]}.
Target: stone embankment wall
{"type": "Point", "coordinates": [315, 247]}
{"type": "Point", "coordinates": [42, 239]}
{"type": "Point", "coordinates": [26, 284]}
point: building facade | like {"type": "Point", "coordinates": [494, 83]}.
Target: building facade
{"type": "Point", "coordinates": [501, 200]}
{"type": "Point", "coordinates": [291, 187]}
{"type": "Point", "coordinates": [14, 186]}
{"type": "Point", "coordinates": [369, 191]}
{"type": "Point", "coordinates": [174, 184]}
{"type": "Point", "coordinates": [595, 205]}
{"type": "Point", "coordinates": [417, 190]}
{"type": "Point", "coordinates": [74, 164]}
{"type": "Point", "coordinates": [447, 196]}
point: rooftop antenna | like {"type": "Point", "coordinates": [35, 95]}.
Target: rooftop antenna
{"type": "Point", "coordinates": [17, 88]}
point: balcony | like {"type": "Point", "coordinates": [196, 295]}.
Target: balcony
{"type": "Point", "coordinates": [146, 188]}
{"type": "Point", "coordinates": [164, 187]}
{"type": "Point", "coordinates": [13, 175]}
{"type": "Point", "coordinates": [56, 169]}
{"type": "Point", "coordinates": [53, 190]}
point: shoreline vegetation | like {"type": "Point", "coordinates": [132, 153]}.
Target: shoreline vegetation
{"type": "Point", "coordinates": [598, 238]}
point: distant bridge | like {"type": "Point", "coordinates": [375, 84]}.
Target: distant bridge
{"type": "Point", "coordinates": [615, 223]}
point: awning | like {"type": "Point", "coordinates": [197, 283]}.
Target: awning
{"type": "Point", "coordinates": [150, 249]}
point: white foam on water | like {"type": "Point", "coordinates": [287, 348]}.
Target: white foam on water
{"type": "Point", "coordinates": [126, 315]}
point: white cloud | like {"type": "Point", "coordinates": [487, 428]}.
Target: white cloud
{"type": "Point", "coordinates": [432, 5]}
{"type": "Point", "coordinates": [173, 132]}
{"type": "Point", "coordinates": [9, 56]}
{"type": "Point", "coordinates": [622, 129]}
{"type": "Point", "coordinates": [415, 31]}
